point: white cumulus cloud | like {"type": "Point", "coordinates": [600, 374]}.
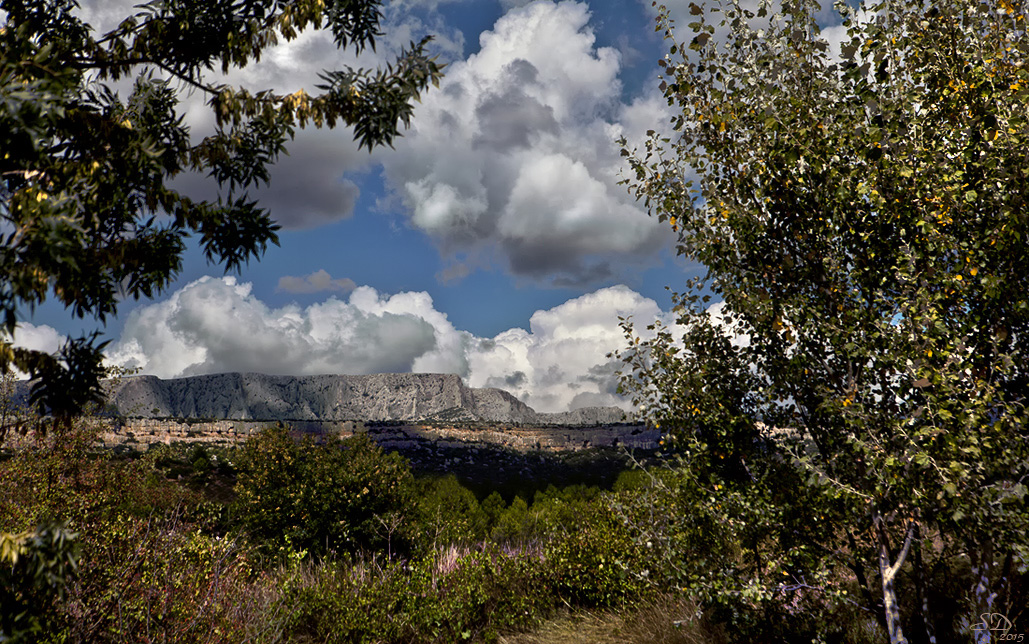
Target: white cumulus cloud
{"type": "Point", "coordinates": [218, 325]}
{"type": "Point", "coordinates": [37, 338]}
{"type": "Point", "coordinates": [514, 160]}
{"type": "Point", "coordinates": [561, 361]}
{"type": "Point", "coordinates": [43, 338]}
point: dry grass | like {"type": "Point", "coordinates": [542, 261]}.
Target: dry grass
{"type": "Point", "coordinates": [665, 620]}
{"type": "Point", "coordinates": [581, 627]}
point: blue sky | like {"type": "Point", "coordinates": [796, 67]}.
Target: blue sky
{"type": "Point", "coordinates": [493, 242]}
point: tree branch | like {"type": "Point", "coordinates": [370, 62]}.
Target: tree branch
{"type": "Point", "coordinates": [86, 64]}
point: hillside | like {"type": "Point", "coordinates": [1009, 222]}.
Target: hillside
{"type": "Point", "coordinates": [380, 397]}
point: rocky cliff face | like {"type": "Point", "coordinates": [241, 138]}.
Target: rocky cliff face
{"type": "Point", "coordinates": [403, 397]}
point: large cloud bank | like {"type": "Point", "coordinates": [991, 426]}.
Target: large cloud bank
{"type": "Point", "coordinates": [218, 325]}
{"type": "Point", "coordinates": [514, 161]}
{"type": "Point", "coordinates": [511, 164]}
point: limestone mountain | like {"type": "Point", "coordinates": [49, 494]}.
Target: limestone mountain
{"type": "Point", "coordinates": [405, 397]}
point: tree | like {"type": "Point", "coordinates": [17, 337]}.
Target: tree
{"type": "Point", "coordinates": [87, 215]}
{"type": "Point", "coordinates": [319, 498]}
{"type": "Point", "coordinates": [446, 513]}
{"type": "Point", "coordinates": [35, 568]}
{"type": "Point", "coordinates": [863, 220]}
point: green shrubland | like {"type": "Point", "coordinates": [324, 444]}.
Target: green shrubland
{"type": "Point", "coordinates": [300, 538]}
{"type": "Point", "coordinates": [335, 497]}
{"type": "Point", "coordinates": [285, 538]}
{"type": "Point", "coordinates": [289, 539]}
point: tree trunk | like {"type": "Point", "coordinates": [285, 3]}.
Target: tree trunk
{"type": "Point", "coordinates": [982, 572]}
{"type": "Point", "coordinates": [866, 589]}
{"type": "Point", "coordinates": [888, 572]}
{"type": "Point", "coordinates": [922, 590]}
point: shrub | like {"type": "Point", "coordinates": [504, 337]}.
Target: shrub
{"type": "Point", "coordinates": [479, 594]}
{"type": "Point", "coordinates": [599, 564]}
{"type": "Point", "coordinates": [513, 522]}
{"type": "Point", "coordinates": [320, 498]}
{"type": "Point", "coordinates": [331, 601]}
{"type": "Point", "coordinates": [200, 461]}
{"type": "Point", "coordinates": [60, 475]}
{"type": "Point", "coordinates": [158, 579]}
{"type": "Point", "coordinates": [451, 595]}
{"type": "Point", "coordinates": [493, 507]}
{"type": "Point", "coordinates": [702, 539]}
{"type": "Point", "coordinates": [553, 511]}
{"type": "Point", "coordinates": [559, 510]}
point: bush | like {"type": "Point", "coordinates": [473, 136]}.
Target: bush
{"type": "Point", "coordinates": [62, 476]}
{"type": "Point", "coordinates": [451, 595]}
{"type": "Point", "coordinates": [600, 563]}
{"type": "Point", "coordinates": [130, 524]}
{"type": "Point", "coordinates": [478, 595]}
{"type": "Point", "coordinates": [320, 498]}
{"type": "Point", "coordinates": [513, 522]}
{"type": "Point", "coordinates": [553, 511]}
{"type": "Point", "coordinates": [35, 568]}
{"type": "Point", "coordinates": [159, 579]}
{"type": "Point", "coordinates": [702, 538]}
{"type": "Point", "coordinates": [560, 510]}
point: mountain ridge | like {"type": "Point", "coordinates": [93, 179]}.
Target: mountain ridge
{"type": "Point", "coordinates": [375, 397]}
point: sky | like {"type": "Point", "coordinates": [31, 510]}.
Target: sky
{"type": "Point", "coordinates": [494, 241]}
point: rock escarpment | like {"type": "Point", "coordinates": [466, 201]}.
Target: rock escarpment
{"type": "Point", "coordinates": [405, 397]}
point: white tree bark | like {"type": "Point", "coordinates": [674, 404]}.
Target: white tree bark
{"type": "Point", "coordinates": [888, 572]}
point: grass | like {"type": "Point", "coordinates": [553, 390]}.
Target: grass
{"type": "Point", "coordinates": [664, 620]}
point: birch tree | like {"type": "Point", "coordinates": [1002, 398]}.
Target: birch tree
{"type": "Point", "coordinates": [861, 208]}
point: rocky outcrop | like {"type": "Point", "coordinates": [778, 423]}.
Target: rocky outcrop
{"type": "Point", "coordinates": [404, 397]}
{"type": "Point", "coordinates": [584, 416]}
{"type": "Point", "coordinates": [141, 434]}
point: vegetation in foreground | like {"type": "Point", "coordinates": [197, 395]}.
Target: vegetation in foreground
{"type": "Point", "coordinates": [285, 539]}
{"type": "Point", "coordinates": [316, 542]}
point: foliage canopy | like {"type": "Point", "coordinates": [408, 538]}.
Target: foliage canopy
{"type": "Point", "coordinates": [319, 498]}
{"type": "Point", "coordinates": [87, 212]}
{"type": "Point", "coordinates": [863, 218]}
